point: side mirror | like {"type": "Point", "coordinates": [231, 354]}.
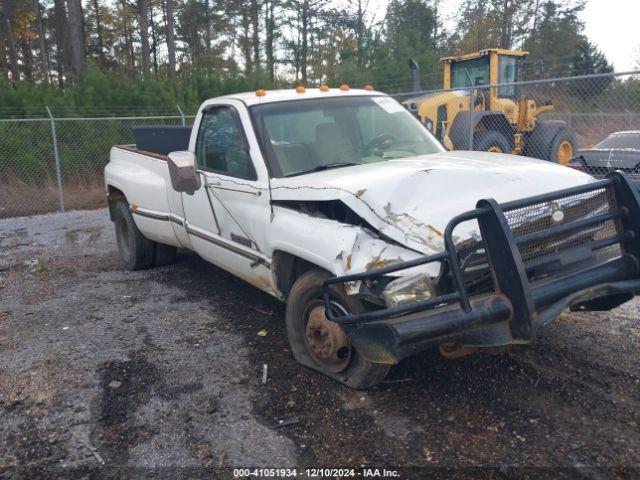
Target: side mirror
{"type": "Point", "coordinates": [182, 170]}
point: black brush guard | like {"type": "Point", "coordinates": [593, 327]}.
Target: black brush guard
{"type": "Point", "coordinates": [516, 307]}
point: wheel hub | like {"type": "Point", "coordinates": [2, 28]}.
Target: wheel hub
{"type": "Point", "coordinates": [326, 341]}
{"type": "Point", "coordinates": [565, 152]}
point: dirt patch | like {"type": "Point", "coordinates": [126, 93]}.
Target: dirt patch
{"type": "Point", "coordinates": [125, 385]}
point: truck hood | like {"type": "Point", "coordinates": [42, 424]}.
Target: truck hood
{"type": "Point", "coordinates": [411, 200]}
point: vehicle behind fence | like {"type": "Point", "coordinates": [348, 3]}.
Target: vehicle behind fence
{"type": "Point", "coordinates": [55, 161]}
{"type": "Point", "coordinates": [558, 120]}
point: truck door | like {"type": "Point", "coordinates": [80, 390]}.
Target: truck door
{"type": "Point", "coordinates": [227, 217]}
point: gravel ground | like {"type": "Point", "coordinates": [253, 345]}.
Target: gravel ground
{"type": "Point", "coordinates": [160, 371]}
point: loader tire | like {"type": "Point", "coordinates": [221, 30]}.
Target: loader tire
{"type": "Point", "coordinates": [320, 344]}
{"type": "Point", "coordinates": [563, 147]}
{"type": "Point", "coordinates": [551, 140]}
{"type": "Point", "coordinates": [491, 141]}
{"type": "Point", "coordinates": [136, 251]}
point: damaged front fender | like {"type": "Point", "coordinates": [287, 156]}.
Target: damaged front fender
{"type": "Point", "coordinates": [338, 247]}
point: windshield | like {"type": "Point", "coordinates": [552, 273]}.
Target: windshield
{"type": "Point", "coordinates": [468, 73]}
{"type": "Point", "coordinates": [308, 135]}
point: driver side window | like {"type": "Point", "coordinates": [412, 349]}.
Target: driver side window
{"type": "Point", "coordinates": [221, 146]}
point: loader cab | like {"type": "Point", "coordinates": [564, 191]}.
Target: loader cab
{"type": "Point", "coordinates": [487, 67]}
{"type": "Point", "coordinates": [482, 108]}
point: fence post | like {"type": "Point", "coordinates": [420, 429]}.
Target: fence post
{"type": "Point", "coordinates": [471, 110]}
{"type": "Point", "coordinates": [56, 156]}
{"type": "Point", "coordinates": [181, 114]}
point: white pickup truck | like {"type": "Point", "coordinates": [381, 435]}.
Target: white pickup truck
{"type": "Point", "coordinates": [340, 203]}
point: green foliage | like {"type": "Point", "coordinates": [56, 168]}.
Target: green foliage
{"type": "Point", "coordinates": [98, 90]}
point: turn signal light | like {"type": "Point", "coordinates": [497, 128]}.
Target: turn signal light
{"type": "Point", "coordinates": [260, 93]}
{"type": "Point", "coordinates": [324, 88]}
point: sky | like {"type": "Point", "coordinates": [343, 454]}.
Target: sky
{"type": "Point", "coordinates": [610, 24]}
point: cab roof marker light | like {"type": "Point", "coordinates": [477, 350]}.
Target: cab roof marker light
{"type": "Point", "coordinates": [300, 89]}
{"type": "Point", "coordinates": [260, 93]}
{"type": "Point", "coordinates": [344, 88]}
{"type": "Point", "coordinates": [324, 88]}
{"type": "Point", "coordinates": [368, 88]}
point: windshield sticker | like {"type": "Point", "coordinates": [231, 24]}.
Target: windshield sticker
{"type": "Point", "coordinates": [389, 104]}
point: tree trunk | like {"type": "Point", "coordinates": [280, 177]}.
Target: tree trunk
{"type": "Point", "coordinates": [270, 34]}
{"type": "Point", "coordinates": [96, 7]}
{"type": "Point", "coordinates": [304, 49]}
{"type": "Point", "coordinates": [154, 39]}
{"type": "Point", "coordinates": [128, 38]}
{"type": "Point", "coordinates": [207, 22]}
{"type": "Point", "coordinates": [27, 58]}
{"type": "Point", "coordinates": [42, 44]}
{"type": "Point", "coordinates": [60, 24]}
{"type": "Point", "coordinates": [359, 36]}
{"type": "Point", "coordinates": [436, 21]}
{"type": "Point", "coordinates": [255, 25]}
{"type": "Point", "coordinates": [4, 71]}
{"type": "Point", "coordinates": [13, 53]}
{"type": "Point", "coordinates": [77, 36]}
{"type": "Point", "coordinates": [246, 42]}
{"type": "Point", "coordinates": [143, 6]}
{"type": "Point", "coordinates": [171, 39]}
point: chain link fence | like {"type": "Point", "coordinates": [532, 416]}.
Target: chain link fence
{"type": "Point", "coordinates": [55, 161]}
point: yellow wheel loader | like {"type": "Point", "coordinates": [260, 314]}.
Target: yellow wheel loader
{"type": "Point", "coordinates": [473, 114]}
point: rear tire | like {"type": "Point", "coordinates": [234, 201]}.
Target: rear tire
{"type": "Point", "coordinates": [307, 293]}
{"type": "Point", "coordinates": [165, 254]}
{"type": "Point", "coordinates": [136, 251]}
{"type": "Point", "coordinates": [551, 140]}
{"type": "Point", "coordinates": [491, 141]}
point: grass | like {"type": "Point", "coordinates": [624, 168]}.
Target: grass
{"type": "Point", "coordinates": [18, 198]}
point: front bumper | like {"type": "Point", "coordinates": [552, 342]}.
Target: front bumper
{"type": "Point", "coordinates": [518, 305]}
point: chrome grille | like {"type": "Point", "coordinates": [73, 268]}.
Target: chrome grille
{"type": "Point", "coordinates": [545, 215]}
{"type": "Point", "coordinates": [545, 257]}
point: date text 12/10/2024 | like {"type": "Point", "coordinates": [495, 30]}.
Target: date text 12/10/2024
{"type": "Point", "coordinates": [315, 473]}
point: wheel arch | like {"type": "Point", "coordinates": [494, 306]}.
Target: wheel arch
{"type": "Point", "coordinates": [114, 195]}
{"type": "Point", "coordinates": [287, 267]}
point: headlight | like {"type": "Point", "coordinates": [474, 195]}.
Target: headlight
{"type": "Point", "coordinates": [413, 288]}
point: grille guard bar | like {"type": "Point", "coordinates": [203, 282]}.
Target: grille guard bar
{"type": "Point", "coordinates": [514, 299]}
